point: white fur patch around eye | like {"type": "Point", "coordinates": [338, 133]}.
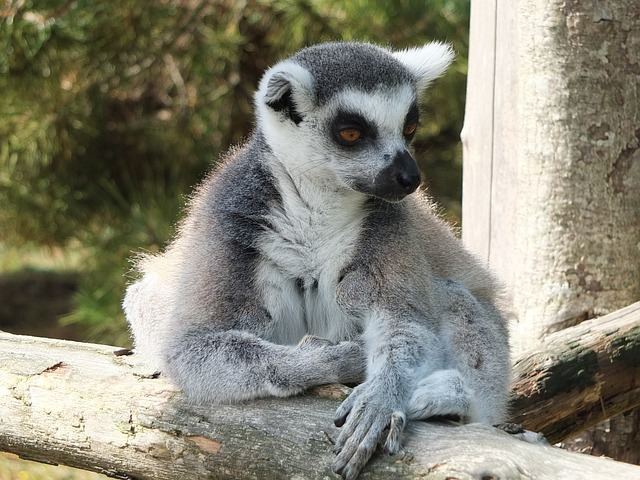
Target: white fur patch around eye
{"type": "Point", "coordinates": [426, 63]}
{"type": "Point", "coordinates": [385, 107]}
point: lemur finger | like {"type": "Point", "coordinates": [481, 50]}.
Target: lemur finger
{"type": "Point", "coordinates": [350, 445]}
{"type": "Point", "coordinates": [349, 426]}
{"type": "Point", "coordinates": [393, 443]}
{"type": "Point", "coordinates": [358, 450]}
{"type": "Point", "coordinates": [344, 409]}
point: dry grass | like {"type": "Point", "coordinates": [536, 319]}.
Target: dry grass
{"type": "Point", "coordinates": [13, 468]}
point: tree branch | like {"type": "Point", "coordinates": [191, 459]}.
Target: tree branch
{"type": "Point", "coordinates": [580, 376]}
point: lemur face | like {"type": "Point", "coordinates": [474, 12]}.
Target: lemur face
{"type": "Point", "coordinates": [367, 140]}
{"type": "Point", "coordinates": [349, 111]}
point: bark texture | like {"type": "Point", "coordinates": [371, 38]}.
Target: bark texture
{"type": "Point", "coordinates": [552, 156]}
{"type": "Point", "coordinates": [580, 376]}
{"type": "Point", "coordinates": [81, 405]}
{"type": "Point", "coordinates": [580, 141]}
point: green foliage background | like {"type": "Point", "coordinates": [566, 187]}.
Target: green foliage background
{"type": "Point", "coordinates": [111, 111]}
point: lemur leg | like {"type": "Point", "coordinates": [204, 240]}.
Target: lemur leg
{"type": "Point", "coordinates": [464, 370]}
{"type": "Point", "coordinates": [475, 382]}
{"type": "Point", "coordinates": [443, 393]}
{"type": "Point", "coordinates": [229, 366]}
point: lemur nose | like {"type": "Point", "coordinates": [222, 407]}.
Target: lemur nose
{"type": "Point", "coordinates": [407, 172]}
{"type": "Point", "coordinates": [408, 181]}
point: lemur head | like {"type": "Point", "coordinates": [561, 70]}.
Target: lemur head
{"type": "Point", "coordinates": [348, 112]}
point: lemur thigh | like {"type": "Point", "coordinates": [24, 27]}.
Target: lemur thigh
{"type": "Point", "coordinates": [441, 393]}
{"type": "Point", "coordinates": [230, 366]}
{"type": "Point", "coordinates": [475, 386]}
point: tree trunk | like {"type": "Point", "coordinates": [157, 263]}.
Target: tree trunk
{"type": "Point", "coordinates": [81, 405]}
{"type": "Point", "coordinates": [552, 161]}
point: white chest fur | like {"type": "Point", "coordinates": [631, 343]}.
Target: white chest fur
{"type": "Point", "coordinates": [313, 235]}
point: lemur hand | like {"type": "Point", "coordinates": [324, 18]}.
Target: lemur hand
{"type": "Point", "coordinates": [368, 416]}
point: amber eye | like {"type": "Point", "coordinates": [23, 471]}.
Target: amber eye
{"type": "Point", "coordinates": [410, 129]}
{"type": "Point", "coordinates": [350, 134]}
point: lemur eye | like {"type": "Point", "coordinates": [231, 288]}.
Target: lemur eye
{"type": "Point", "coordinates": [409, 129]}
{"type": "Point", "coordinates": [350, 134]}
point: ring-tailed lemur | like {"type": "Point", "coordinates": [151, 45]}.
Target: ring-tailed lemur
{"type": "Point", "coordinates": [304, 260]}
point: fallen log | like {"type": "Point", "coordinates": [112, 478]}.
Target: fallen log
{"type": "Point", "coordinates": [580, 376]}
{"type": "Point", "coordinates": [81, 405]}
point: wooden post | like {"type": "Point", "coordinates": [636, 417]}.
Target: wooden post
{"type": "Point", "coordinates": [490, 173]}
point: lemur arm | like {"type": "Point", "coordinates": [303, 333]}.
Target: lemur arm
{"type": "Point", "coordinates": [232, 366]}
{"type": "Point", "coordinates": [423, 361]}
{"type": "Point", "coordinates": [396, 349]}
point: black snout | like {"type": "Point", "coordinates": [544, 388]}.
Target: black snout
{"type": "Point", "coordinates": [406, 172]}
{"type": "Point", "coordinates": [398, 179]}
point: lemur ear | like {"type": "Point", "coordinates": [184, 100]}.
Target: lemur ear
{"type": "Point", "coordinates": [287, 88]}
{"type": "Point", "coordinates": [427, 62]}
